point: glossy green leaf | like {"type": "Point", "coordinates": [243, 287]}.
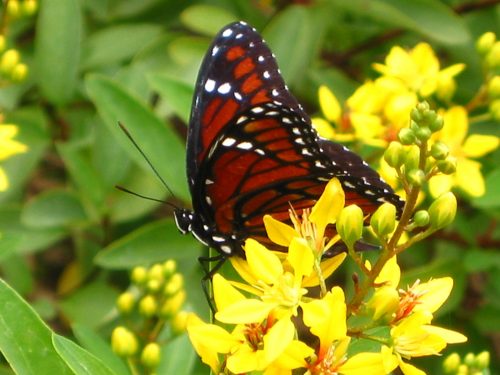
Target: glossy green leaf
{"type": "Point", "coordinates": [78, 359]}
{"type": "Point", "coordinates": [90, 305]}
{"type": "Point", "coordinates": [54, 208]}
{"type": "Point", "coordinates": [177, 94]}
{"type": "Point", "coordinates": [206, 19]}
{"type": "Point", "coordinates": [158, 141]}
{"type": "Point", "coordinates": [57, 49]}
{"type": "Point", "coordinates": [25, 340]}
{"type": "Point", "coordinates": [106, 47]}
{"type": "Point", "coordinates": [96, 345]}
{"type": "Point", "coordinates": [150, 243]}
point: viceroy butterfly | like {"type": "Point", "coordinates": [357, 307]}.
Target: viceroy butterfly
{"type": "Point", "coordinates": [251, 149]}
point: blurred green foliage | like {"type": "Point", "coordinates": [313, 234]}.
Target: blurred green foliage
{"type": "Point", "coordinates": [68, 237]}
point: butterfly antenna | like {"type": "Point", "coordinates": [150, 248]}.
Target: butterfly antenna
{"type": "Point", "coordinates": [129, 136]}
{"type": "Point", "coordinates": [125, 190]}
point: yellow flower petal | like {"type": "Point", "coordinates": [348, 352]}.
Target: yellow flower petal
{"type": "Point", "coordinates": [294, 355]}
{"type": "Point", "coordinates": [451, 337]}
{"type": "Point", "coordinates": [328, 206]}
{"type": "Point", "coordinates": [241, 266]}
{"type": "Point", "coordinates": [433, 293]}
{"type": "Point", "coordinates": [323, 127]}
{"type": "Point", "coordinates": [327, 266]}
{"type": "Point", "coordinates": [224, 293]}
{"type": "Point", "coordinates": [456, 126]}
{"type": "Point", "coordinates": [408, 369]}
{"type": "Point", "coordinates": [246, 311]}
{"type": "Point", "coordinates": [364, 363]}
{"type": "Point", "coordinates": [329, 104]}
{"type": "Point", "coordinates": [265, 266]}
{"type": "Point", "coordinates": [477, 145]}
{"type": "Point", "coordinates": [301, 258]}
{"type": "Point", "coordinates": [469, 177]}
{"type": "Point", "coordinates": [278, 338]}
{"type": "Point", "coordinates": [440, 184]}
{"type": "Point", "coordinates": [246, 360]}
{"type": "Point", "coordinates": [278, 232]}
{"type": "Point", "coordinates": [390, 273]}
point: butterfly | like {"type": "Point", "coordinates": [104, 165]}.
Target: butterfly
{"type": "Point", "coordinates": [251, 149]}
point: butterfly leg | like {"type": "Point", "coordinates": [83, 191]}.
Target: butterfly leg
{"type": "Point", "coordinates": [206, 281]}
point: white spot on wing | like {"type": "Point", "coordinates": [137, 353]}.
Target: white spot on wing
{"type": "Point", "coordinates": [238, 36]}
{"type": "Point", "coordinates": [274, 92]}
{"type": "Point", "coordinates": [238, 96]}
{"type": "Point", "coordinates": [348, 184]}
{"type": "Point", "coordinates": [224, 88]}
{"type": "Point", "coordinates": [260, 58]}
{"type": "Point", "coordinates": [245, 145]}
{"type": "Point", "coordinates": [209, 85]}
{"type": "Point", "coordinates": [227, 32]}
{"type": "Point", "coordinates": [266, 75]}
{"type": "Point", "coordinates": [257, 110]}
{"type": "Point", "coordinates": [241, 119]}
{"type": "Point", "coordinates": [215, 50]}
{"type": "Point", "coordinates": [228, 142]}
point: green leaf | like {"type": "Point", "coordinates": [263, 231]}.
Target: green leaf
{"type": "Point", "coordinates": [178, 357]}
{"type": "Point", "coordinates": [491, 198]}
{"type": "Point", "coordinates": [293, 24]}
{"type": "Point", "coordinates": [206, 19]}
{"type": "Point", "coordinates": [57, 49]}
{"type": "Point", "coordinates": [96, 345]}
{"type": "Point", "coordinates": [53, 208]}
{"type": "Point", "coordinates": [90, 305]}
{"type": "Point", "coordinates": [78, 359]}
{"type": "Point", "coordinates": [431, 18]}
{"type": "Point", "coordinates": [150, 243]}
{"type": "Point", "coordinates": [8, 245]}
{"type": "Point", "coordinates": [177, 94]}
{"type": "Point", "coordinates": [158, 142]}
{"type": "Point", "coordinates": [25, 340]}
{"type": "Point", "coordinates": [106, 46]}
{"type": "Point", "coordinates": [477, 260]}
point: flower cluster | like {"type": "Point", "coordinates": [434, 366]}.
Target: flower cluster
{"type": "Point", "coordinates": [376, 112]}
{"type": "Point", "coordinates": [150, 306]}
{"type": "Point", "coordinates": [276, 322]}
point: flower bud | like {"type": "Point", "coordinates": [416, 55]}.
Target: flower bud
{"type": "Point", "coordinates": [350, 224]}
{"type": "Point", "coordinates": [416, 177]}
{"type": "Point", "coordinates": [10, 59]}
{"type": "Point", "coordinates": [384, 303]}
{"type": "Point", "coordinates": [3, 43]}
{"type": "Point", "coordinates": [383, 220]}
{"type": "Point", "coordinates": [421, 218]}
{"type": "Point", "coordinates": [19, 72]}
{"type": "Point", "coordinates": [173, 305]}
{"type": "Point", "coordinates": [406, 136]}
{"type": "Point", "coordinates": [439, 150]}
{"type": "Point", "coordinates": [393, 154]}
{"type": "Point", "coordinates": [153, 285]}
{"type": "Point", "coordinates": [451, 363]}
{"type": "Point", "coordinates": [470, 359]}
{"type": "Point", "coordinates": [423, 134]}
{"type": "Point", "coordinates": [125, 302]}
{"type": "Point", "coordinates": [428, 117]}
{"type": "Point", "coordinates": [485, 42]}
{"type": "Point", "coordinates": [415, 115]}
{"type": "Point", "coordinates": [493, 56]}
{"type": "Point", "coordinates": [174, 285]}
{"type": "Point", "coordinates": [494, 109]}
{"type": "Point", "coordinates": [29, 7]}
{"type": "Point", "coordinates": [412, 157]}
{"type": "Point", "coordinates": [151, 355]}
{"type": "Point", "coordinates": [123, 342]}
{"type": "Point", "coordinates": [13, 8]}
{"type": "Point", "coordinates": [139, 275]}
{"type": "Point", "coordinates": [148, 306]}
{"type": "Point", "coordinates": [179, 322]}
{"type": "Point", "coordinates": [494, 87]}
{"type": "Point", "coordinates": [155, 272]}
{"type": "Point", "coordinates": [169, 268]}
{"type": "Point", "coordinates": [442, 211]}
{"type": "Point", "coordinates": [462, 370]}
{"type": "Point", "coordinates": [483, 360]}
{"type": "Point", "coordinates": [423, 107]}
{"type": "Point", "coordinates": [437, 124]}
{"type": "Point", "coordinates": [447, 166]}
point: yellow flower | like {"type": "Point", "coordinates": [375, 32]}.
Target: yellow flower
{"type": "Point", "coordinates": [419, 70]}
{"type": "Point", "coordinates": [468, 176]}
{"type": "Point", "coordinates": [8, 148]}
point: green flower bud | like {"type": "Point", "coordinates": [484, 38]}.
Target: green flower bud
{"type": "Point", "coordinates": [151, 355]}
{"type": "Point", "coordinates": [148, 306]}
{"type": "Point", "coordinates": [423, 106]}
{"type": "Point", "coordinates": [494, 109]}
{"type": "Point", "coordinates": [437, 124]}
{"type": "Point", "coordinates": [416, 177]}
{"type": "Point", "coordinates": [494, 87]}
{"type": "Point", "coordinates": [174, 285]}
{"type": "Point", "coordinates": [407, 136]}
{"type": "Point", "coordinates": [350, 224]}
{"type": "Point", "coordinates": [19, 72]}
{"type": "Point", "coordinates": [439, 150]}
{"type": "Point", "coordinates": [483, 360]}
{"type": "Point", "coordinates": [10, 59]}
{"type": "Point", "coordinates": [414, 125]}
{"type": "Point", "coordinates": [493, 56]}
{"type": "Point", "coordinates": [442, 211]}
{"type": "Point", "coordinates": [470, 359]}
{"type": "Point", "coordinates": [29, 7]}
{"type": "Point", "coordinates": [383, 220]}
{"type": "Point", "coordinates": [153, 285]}
{"type": "Point", "coordinates": [451, 363]}
{"type": "Point", "coordinates": [169, 268]}
{"type": "Point", "coordinates": [423, 134]}
{"type": "Point", "coordinates": [139, 275]}
{"type": "Point", "coordinates": [428, 118]}
{"type": "Point", "coordinates": [447, 166]}
{"type": "Point", "coordinates": [412, 157]}
{"type": "Point", "coordinates": [125, 302]}
{"type": "Point", "coordinates": [179, 322]}
{"type": "Point", "coordinates": [463, 370]}
{"type": "Point", "coordinates": [123, 342]}
{"type": "Point", "coordinates": [13, 8]}
{"type": "Point", "coordinates": [173, 304]}
{"type": "Point", "coordinates": [393, 154]}
{"type": "Point", "coordinates": [485, 42]}
{"type": "Point", "coordinates": [155, 272]}
{"type": "Point", "coordinates": [415, 115]}
{"type": "Point", "coordinates": [421, 218]}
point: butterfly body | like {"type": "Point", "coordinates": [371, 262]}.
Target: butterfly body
{"type": "Point", "coordinates": [251, 149]}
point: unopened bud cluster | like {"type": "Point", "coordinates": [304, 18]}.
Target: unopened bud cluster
{"type": "Point", "coordinates": [471, 364]}
{"type": "Point", "coordinates": [489, 49]}
{"type": "Point", "coordinates": [153, 300]}
{"type": "Point", "coordinates": [21, 8]}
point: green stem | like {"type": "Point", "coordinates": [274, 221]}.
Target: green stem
{"type": "Point", "coordinates": [319, 273]}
